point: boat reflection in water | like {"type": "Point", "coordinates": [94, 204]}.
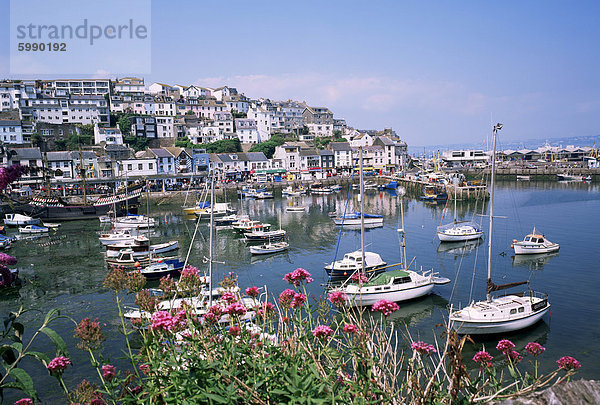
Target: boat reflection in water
{"type": "Point", "coordinates": [459, 248]}
{"type": "Point", "coordinates": [533, 262]}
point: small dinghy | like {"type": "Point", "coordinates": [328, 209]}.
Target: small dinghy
{"type": "Point", "coordinates": [269, 248]}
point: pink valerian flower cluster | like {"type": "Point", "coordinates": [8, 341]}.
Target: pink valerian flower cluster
{"type": "Point", "coordinates": [162, 320]}
{"type": "Point", "coordinates": [349, 328]}
{"type": "Point", "coordinates": [505, 346]}
{"type": "Point", "coordinates": [236, 309]}
{"type": "Point", "coordinates": [108, 372]}
{"type": "Point", "coordinates": [234, 330]}
{"type": "Point", "coordinates": [482, 358]}
{"type": "Point", "coordinates": [286, 297]}
{"type": "Point", "coordinates": [568, 363]}
{"type": "Point", "coordinates": [298, 277]}
{"type": "Point", "coordinates": [322, 332]}
{"type": "Point", "coordinates": [213, 314]}
{"type": "Point", "coordinates": [534, 348]}
{"type": "Point", "coordinates": [24, 401]}
{"type": "Point", "coordinates": [10, 174]}
{"type": "Point", "coordinates": [422, 347]}
{"type": "Point", "coordinates": [337, 298]}
{"type": "Point", "coordinates": [265, 309]}
{"type": "Point", "coordinates": [298, 300]}
{"type": "Point", "coordinates": [513, 356]}
{"type": "Point", "coordinates": [58, 364]}
{"type": "Point", "coordinates": [144, 368]}
{"type": "Point", "coordinates": [358, 277]}
{"type": "Point", "coordinates": [252, 291]}
{"type": "Point", "coordinates": [229, 297]}
{"type": "Point", "coordinates": [385, 307]}
{"type": "Point", "coordinates": [7, 259]}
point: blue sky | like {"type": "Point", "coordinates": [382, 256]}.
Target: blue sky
{"type": "Point", "coordinates": [437, 72]}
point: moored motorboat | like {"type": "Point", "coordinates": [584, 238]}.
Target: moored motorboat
{"type": "Point", "coordinates": [141, 247]}
{"type": "Point", "coordinates": [352, 262]}
{"type": "Point", "coordinates": [135, 221]}
{"type": "Point", "coordinates": [163, 268]}
{"type": "Point", "coordinates": [295, 208]}
{"type": "Point", "coordinates": [259, 235]}
{"type": "Point", "coordinates": [117, 236]}
{"type": "Point", "coordinates": [33, 229]}
{"type": "Point", "coordinates": [534, 243]}
{"type": "Point", "coordinates": [354, 218]}
{"type": "Point", "coordinates": [268, 248]}
{"type": "Point", "coordinates": [15, 220]}
{"type": "Point", "coordinates": [459, 231]}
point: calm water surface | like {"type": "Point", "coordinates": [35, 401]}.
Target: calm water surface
{"type": "Point", "coordinates": [66, 270]}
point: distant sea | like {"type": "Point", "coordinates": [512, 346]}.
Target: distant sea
{"type": "Point", "coordinates": [520, 144]}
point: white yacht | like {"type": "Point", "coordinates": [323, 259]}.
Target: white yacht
{"type": "Point", "coordinates": [352, 262]}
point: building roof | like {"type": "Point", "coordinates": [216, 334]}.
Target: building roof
{"type": "Point", "coordinates": [27, 153]}
{"type": "Point", "coordinates": [309, 152]}
{"type": "Point", "coordinates": [325, 152]}
{"type": "Point", "coordinates": [384, 140]}
{"type": "Point", "coordinates": [175, 151]}
{"type": "Point", "coordinates": [162, 153]}
{"type": "Point", "coordinates": [9, 122]}
{"type": "Point", "coordinates": [340, 146]}
{"type": "Point", "coordinates": [58, 156]}
{"type": "Point", "coordinates": [254, 156]}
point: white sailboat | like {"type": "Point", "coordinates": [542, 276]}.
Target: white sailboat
{"type": "Point", "coordinates": [394, 285]}
{"type": "Point", "coordinates": [505, 313]}
{"type": "Point", "coordinates": [458, 231]}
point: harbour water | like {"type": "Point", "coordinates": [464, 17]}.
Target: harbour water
{"type": "Point", "coordinates": [66, 269]}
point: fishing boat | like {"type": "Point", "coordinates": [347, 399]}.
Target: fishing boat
{"type": "Point", "coordinates": [259, 235]}
{"type": "Point", "coordinates": [15, 220]}
{"type": "Point", "coordinates": [458, 231]}
{"type": "Point", "coordinates": [117, 236]}
{"type": "Point", "coordinates": [135, 221]}
{"type": "Point", "coordinates": [127, 260]}
{"type": "Point", "coordinates": [319, 188]}
{"type": "Point", "coordinates": [392, 185]}
{"type": "Point", "coordinates": [431, 193]}
{"type": "Point", "coordinates": [141, 247]}
{"type": "Point", "coordinates": [290, 192]}
{"type": "Point", "coordinates": [247, 225]}
{"type": "Point", "coordinates": [356, 218]}
{"type": "Point", "coordinates": [263, 195]}
{"type": "Point", "coordinates": [219, 210]}
{"type": "Point", "coordinates": [246, 192]}
{"type": "Point", "coordinates": [269, 248]}
{"type": "Point", "coordinates": [534, 243]}
{"type": "Point", "coordinates": [229, 219]}
{"type": "Point", "coordinates": [33, 229]}
{"type": "Point", "coordinates": [367, 185]}
{"type": "Point", "coordinates": [505, 313]}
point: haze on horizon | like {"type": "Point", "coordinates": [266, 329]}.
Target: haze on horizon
{"type": "Point", "coordinates": [436, 72]}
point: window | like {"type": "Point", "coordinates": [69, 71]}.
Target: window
{"type": "Point", "coordinates": [129, 167]}
{"type": "Point", "coordinates": [140, 166]}
{"type": "Point", "coordinates": [150, 166]}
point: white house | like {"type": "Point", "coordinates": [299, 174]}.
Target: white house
{"type": "Point", "coordinates": [362, 139]}
{"type": "Point", "coordinates": [12, 92]}
{"type": "Point", "coordinates": [107, 135]}
{"type": "Point", "coordinates": [75, 109]}
{"type": "Point", "coordinates": [60, 165]}
{"type": "Point", "coordinates": [130, 85]}
{"type": "Point", "coordinates": [11, 131]}
{"type": "Point", "coordinates": [160, 89]}
{"type": "Point", "coordinates": [342, 155]}
{"type": "Point", "coordinates": [246, 130]}
{"type": "Point", "coordinates": [139, 166]}
{"type": "Point", "coordinates": [164, 126]}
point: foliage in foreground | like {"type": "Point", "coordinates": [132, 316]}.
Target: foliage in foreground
{"type": "Point", "coordinates": [293, 352]}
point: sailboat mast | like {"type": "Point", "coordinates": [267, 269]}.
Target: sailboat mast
{"type": "Point", "coordinates": [489, 275]}
{"type": "Point", "coordinates": [403, 233]}
{"type": "Point", "coordinates": [210, 238]}
{"type": "Point", "coordinates": [362, 213]}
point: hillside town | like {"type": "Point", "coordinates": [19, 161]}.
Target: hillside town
{"type": "Point", "coordinates": [104, 129]}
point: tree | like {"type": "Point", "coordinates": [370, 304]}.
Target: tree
{"type": "Point", "coordinates": [137, 142]}
{"type": "Point", "coordinates": [183, 142]}
{"type": "Point", "coordinates": [268, 147]}
{"type": "Point", "coordinates": [124, 125]}
{"type": "Point", "coordinates": [304, 130]}
{"type": "Point", "coordinates": [86, 130]}
{"type": "Point", "coordinates": [37, 140]}
{"type": "Point", "coordinates": [190, 112]}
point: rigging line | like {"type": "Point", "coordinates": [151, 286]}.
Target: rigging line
{"type": "Point", "coordinates": [473, 277]}
{"type": "Point", "coordinates": [337, 246]}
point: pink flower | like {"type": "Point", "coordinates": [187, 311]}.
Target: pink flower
{"type": "Point", "coordinates": [322, 332]}
{"type": "Point", "coordinates": [7, 259]}
{"type": "Point", "coordinates": [349, 328]}
{"type": "Point", "coordinates": [422, 347]}
{"type": "Point", "coordinates": [513, 356]}
{"type": "Point", "coordinates": [505, 346]}
{"type": "Point", "coordinates": [162, 320]}
{"type": "Point", "coordinates": [236, 309]}
{"type": "Point", "coordinates": [568, 363]}
{"type": "Point", "coordinates": [144, 368]}
{"type": "Point", "coordinates": [24, 401]}
{"type": "Point", "coordinates": [229, 297]}
{"type": "Point", "coordinates": [337, 298]}
{"type": "Point", "coordinates": [252, 291]}
{"type": "Point", "coordinates": [58, 364]}
{"type": "Point", "coordinates": [298, 300]}
{"type": "Point", "coordinates": [108, 372]}
{"type": "Point", "coordinates": [286, 297]}
{"type": "Point", "coordinates": [385, 307]}
{"type": "Point", "coordinates": [534, 348]}
{"type": "Point", "coordinates": [285, 319]}
{"type": "Point", "coordinates": [234, 330]}
{"type": "Point", "coordinates": [482, 357]}
{"type": "Point", "coordinates": [298, 277]}
{"type": "Point", "coordinates": [359, 277]}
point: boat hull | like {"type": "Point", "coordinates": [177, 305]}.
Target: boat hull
{"type": "Point", "coordinates": [464, 327]}
{"type": "Point", "coordinates": [367, 299]}
{"type": "Point", "coordinates": [533, 250]}
{"type": "Point", "coordinates": [77, 212]}
{"type": "Point", "coordinates": [444, 237]}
